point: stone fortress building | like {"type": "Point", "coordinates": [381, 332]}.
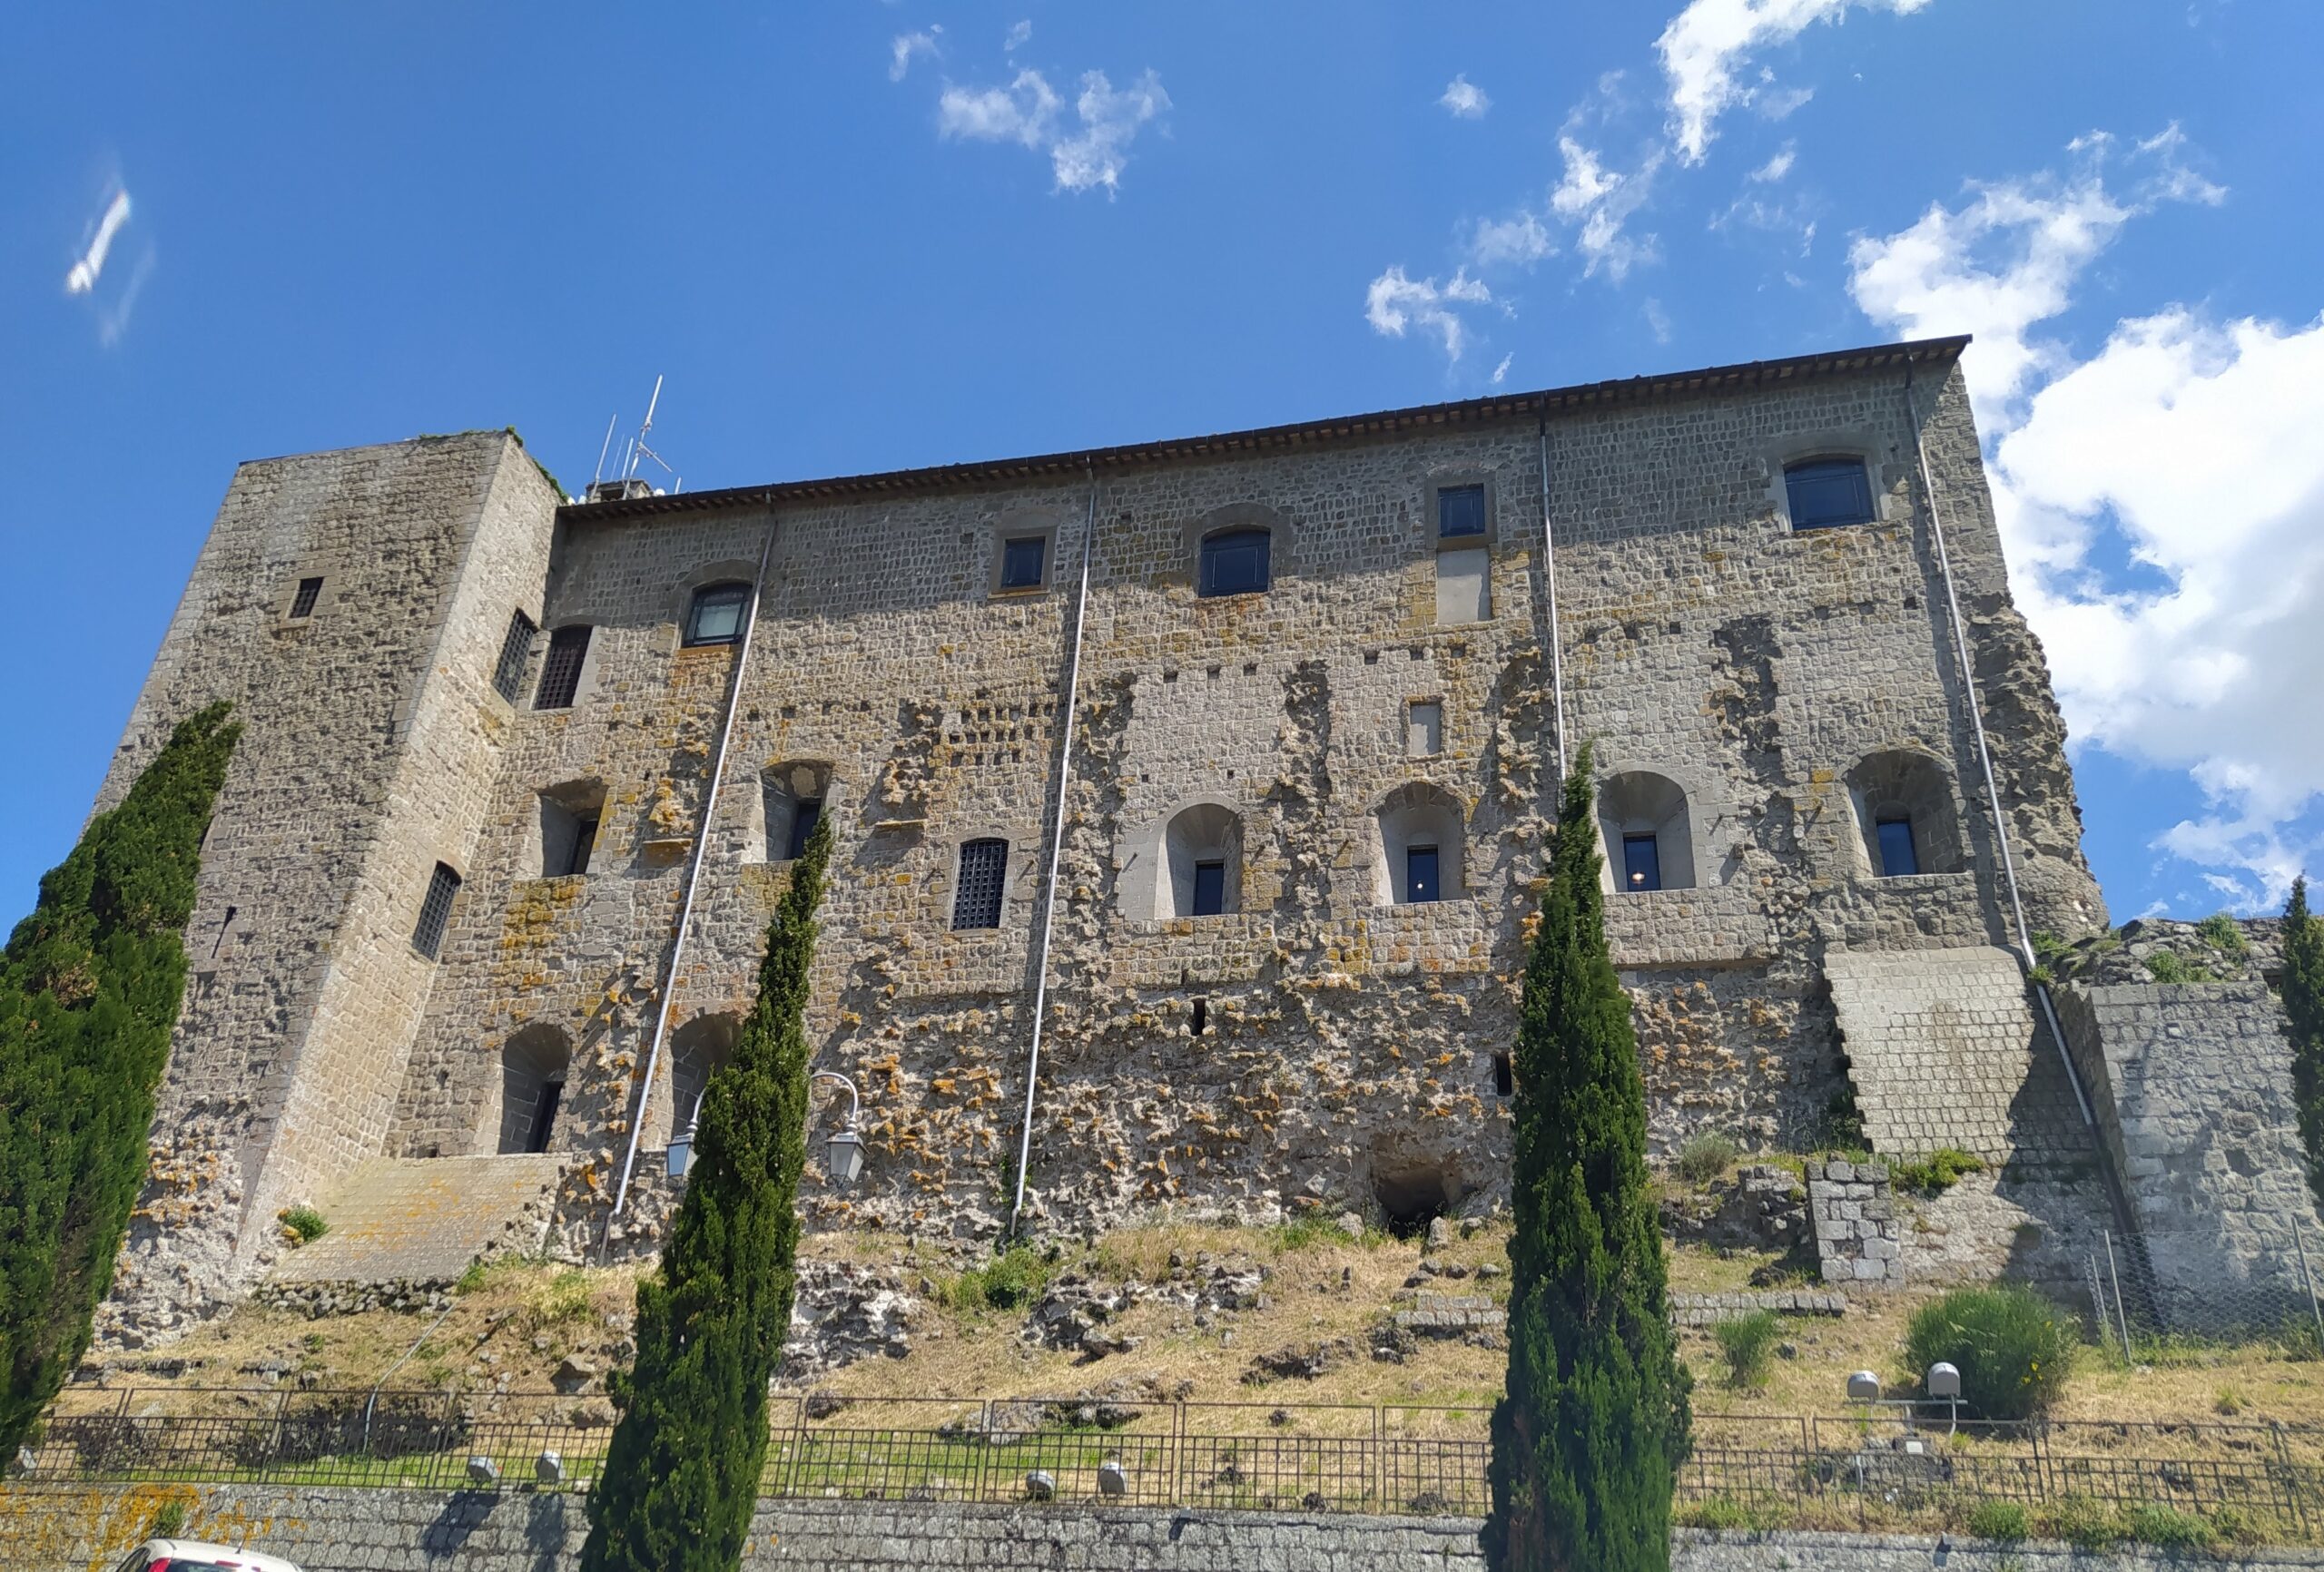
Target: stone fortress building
{"type": "Point", "coordinates": [1227, 764]}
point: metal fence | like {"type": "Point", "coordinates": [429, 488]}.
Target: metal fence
{"type": "Point", "coordinates": [1886, 1468]}
{"type": "Point", "coordinates": [2141, 1314]}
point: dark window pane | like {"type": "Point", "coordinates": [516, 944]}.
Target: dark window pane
{"type": "Point", "coordinates": [1419, 874]}
{"type": "Point", "coordinates": [1021, 563]}
{"type": "Point", "coordinates": [435, 911]}
{"type": "Point", "coordinates": [516, 649]}
{"type": "Point", "coordinates": [585, 841]}
{"type": "Point", "coordinates": [544, 1115]}
{"type": "Point", "coordinates": [1235, 563]}
{"type": "Point", "coordinates": [1504, 1080]}
{"type": "Point", "coordinates": [1642, 863]}
{"type": "Point", "coordinates": [303, 604]}
{"type": "Point", "coordinates": [802, 824]}
{"type": "Point", "coordinates": [1460, 511]}
{"type": "Point", "coordinates": [716, 617]}
{"type": "Point", "coordinates": [984, 868]}
{"type": "Point", "coordinates": [561, 671]}
{"type": "Point", "coordinates": [1210, 889]}
{"type": "Point", "coordinates": [1828, 493]}
{"type": "Point", "coordinates": [1897, 853]}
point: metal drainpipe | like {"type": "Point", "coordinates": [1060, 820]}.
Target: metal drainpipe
{"type": "Point", "coordinates": [1550, 583]}
{"type": "Point", "coordinates": [1984, 751]}
{"type": "Point", "coordinates": [1056, 848]}
{"type": "Point", "coordinates": [694, 884]}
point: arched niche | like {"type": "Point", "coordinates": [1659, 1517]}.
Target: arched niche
{"type": "Point", "coordinates": [533, 1063]}
{"type": "Point", "coordinates": [1418, 846]}
{"type": "Point", "coordinates": [697, 1050]}
{"type": "Point", "coordinates": [1650, 832]}
{"type": "Point", "coordinates": [1905, 818]}
{"type": "Point", "coordinates": [1187, 863]}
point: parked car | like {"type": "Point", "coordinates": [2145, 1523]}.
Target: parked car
{"type": "Point", "coordinates": [194, 1556]}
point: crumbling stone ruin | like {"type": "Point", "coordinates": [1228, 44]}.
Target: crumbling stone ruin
{"type": "Point", "coordinates": [1224, 765]}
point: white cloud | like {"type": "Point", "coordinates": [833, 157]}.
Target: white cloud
{"type": "Point", "coordinates": [1658, 321]}
{"type": "Point", "coordinates": [1395, 302]}
{"type": "Point", "coordinates": [1501, 372]}
{"type": "Point", "coordinates": [908, 46]}
{"type": "Point", "coordinates": [1599, 202]}
{"type": "Point", "coordinates": [1776, 168]}
{"type": "Point", "coordinates": [1465, 99]}
{"type": "Point", "coordinates": [1020, 35]}
{"type": "Point", "coordinates": [1029, 112]}
{"type": "Point", "coordinates": [1522, 240]}
{"type": "Point", "coordinates": [1706, 44]}
{"type": "Point", "coordinates": [91, 265]}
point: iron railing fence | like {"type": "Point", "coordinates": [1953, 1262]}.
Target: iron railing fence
{"type": "Point", "coordinates": [1879, 1468]}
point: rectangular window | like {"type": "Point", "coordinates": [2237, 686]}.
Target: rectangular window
{"type": "Point", "coordinates": [1505, 1079]}
{"type": "Point", "coordinates": [1642, 863]}
{"type": "Point", "coordinates": [303, 604]}
{"type": "Point", "coordinates": [516, 649]}
{"type": "Point", "coordinates": [984, 870]}
{"type": "Point", "coordinates": [1022, 561]}
{"type": "Point", "coordinates": [717, 614]}
{"type": "Point", "coordinates": [1459, 512]}
{"type": "Point", "coordinates": [1419, 874]}
{"type": "Point", "coordinates": [802, 824]}
{"type": "Point", "coordinates": [1210, 889]}
{"type": "Point", "coordinates": [1898, 855]}
{"type": "Point", "coordinates": [1828, 493]}
{"type": "Point", "coordinates": [585, 841]}
{"type": "Point", "coordinates": [561, 671]}
{"type": "Point", "coordinates": [1235, 562]}
{"type": "Point", "coordinates": [435, 911]}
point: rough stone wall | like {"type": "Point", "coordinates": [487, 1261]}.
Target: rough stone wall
{"type": "Point", "coordinates": [368, 731]}
{"type": "Point", "coordinates": [81, 1529]}
{"type": "Point", "coordinates": [2193, 1086]}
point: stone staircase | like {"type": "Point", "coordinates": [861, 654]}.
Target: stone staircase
{"type": "Point", "coordinates": [422, 1220]}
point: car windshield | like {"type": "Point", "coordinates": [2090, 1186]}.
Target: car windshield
{"type": "Point", "coordinates": [189, 1563]}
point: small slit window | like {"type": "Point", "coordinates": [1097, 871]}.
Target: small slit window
{"type": "Point", "coordinates": [715, 618]}
{"type": "Point", "coordinates": [1235, 563]}
{"type": "Point", "coordinates": [303, 603]}
{"type": "Point", "coordinates": [561, 671]}
{"type": "Point", "coordinates": [516, 649]}
{"type": "Point", "coordinates": [1505, 1079]}
{"type": "Point", "coordinates": [1199, 1021]}
{"type": "Point", "coordinates": [1828, 493]}
{"type": "Point", "coordinates": [1898, 855]}
{"type": "Point", "coordinates": [1023, 561]}
{"type": "Point", "coordinates": [1461, 513]}
{"type": "Point", "coordinates": [1421, 881]}
{"type": "Point", "coordinates": [984, 870]}
{"type": "Point", "coordinates": [435, 911]}
{"type": "Point", "coordinates": [1641, 862]}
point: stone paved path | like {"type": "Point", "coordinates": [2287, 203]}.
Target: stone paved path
{"type": "Point", "coordinates": [420, 1219]}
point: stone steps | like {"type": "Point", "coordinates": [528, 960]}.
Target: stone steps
{"type": "Point", "coordinates": [1709, 1309]}
{"type": "Point", "coordinates": [421, 1220]}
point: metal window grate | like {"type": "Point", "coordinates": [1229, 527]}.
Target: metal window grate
{"type": "Point", "coordinates": [516, 649]}
{"type": "Point", "coordinates": [435, 911]}
{"type": "Point", "coordinates": [303, 604]}
{"type": "Point", "coordinates": [561, 671]}
{"type": "Point", "coordinates": [984, 869]}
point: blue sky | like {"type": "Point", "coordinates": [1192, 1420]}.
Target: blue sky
{"type": "Point", "coordinates": [874, 235]}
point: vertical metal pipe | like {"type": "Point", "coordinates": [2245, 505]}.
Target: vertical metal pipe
{"type": "Point", "coordinates": [1550, 586]}
{"type": "Point", "coordinates": [664, 1000]}
{"type": "Point", "coordinates": [1056, 848]}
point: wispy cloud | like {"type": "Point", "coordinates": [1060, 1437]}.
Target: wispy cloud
{"type": "Point", "coordinates": [906, 47]}
{"type": "Point", "coordinates": [1599, 202]}
{"type": "Point", "coordinates": [1395, 302]}
{"type": "Point", "coordinates": [1466, 100]}
{"type": "Point", "coordinates": [1707, 45]}
{"type": "Point", "coordinates": [1501, 372]}
{"type": "Point", "coordinates": [1019, 36]}
{"type": "Point", "coordinates": [1776, 168]}
{"type": "Point", "coordinates": [84, 274]}
{"type": "Point", "coordinates": [95, 274]}
{"type": "Point", "coordinates": [1087, 149]}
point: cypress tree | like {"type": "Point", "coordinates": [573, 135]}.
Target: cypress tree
{"type": "Point", "coordinates": [2304, 1003]}
{"type": "Point", "coordinates": [1588, 1439]}
{"type": "Point", "coordinates": [90, 986]}
{"type": "Point", "coordinates": [683, 1473]}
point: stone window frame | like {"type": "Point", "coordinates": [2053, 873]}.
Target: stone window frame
{"type": "Point", "coordinates": [1707, 807]}
{"type": "Point", "coordinates": [1439, 481]}
{"type": "Point", "coordinates": [1942, 844]}
{"type": "Point", "coordinates": [1385, 869]}
{"type": "Point", "coordinates": [286, 595]}
{"type": "Point", "coordinates": [1858, 442]}
{"type": "Point", "coordinates": [724, 570]}
{"type": "Point", "coordinates": [1145, 886]}
{"type": "Point", "coordinates": [1012, 877]}
{"type": "Point", "coordinates": [1239, 515]}
{"type": "Point", "coordinates": [1414, 702]}
{"type": "Point", "coordinates": [452, 908]}
{"type": "Point", "coordinates": [762, 835]}
{"type": "Point", "coordinates": [1022, 524]}
{"type": "Point", "coordinates": [584, 680]}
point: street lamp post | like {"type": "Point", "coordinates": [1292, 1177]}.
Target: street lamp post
{"type": "Point", "coordinates": [842, 1153]}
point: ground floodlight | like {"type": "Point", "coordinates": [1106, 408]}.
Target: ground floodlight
{"type": "Point", "coordinates": [1864, 1387]}
{"type": "Point", "coordinates": [550, 1468]}
{"type": "Point", "coordinates": [1112, 1480]}
{"type": "Point", "coordinates": [1041, 1485]}
{"type": "Point", "coordinates": [843, 1157]}
{"type": "Point", "coordinates": [1943, 1380]}
{"type": "Point", "coordinates": [483, 1471]}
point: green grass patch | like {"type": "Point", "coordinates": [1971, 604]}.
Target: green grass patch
{"type": "Point", "coordinates": [2168, 967]}
{"type": "Point", "coordinates": [304, 1224]}
{"type": "Point", "coordinates": [1936, 1174]}
{"type": "Point", "coordinates": [2003, 1521]}
{"type": "Point", "coordinates": [2223, 934]}
{"type": "Point", "coordinates": [1011, 1281]}
{"type": "Point", "coordinates": [1748, 1342]}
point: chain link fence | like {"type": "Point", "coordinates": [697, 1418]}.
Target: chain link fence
{"type": "Point", "coordinates": [2143, 1316]}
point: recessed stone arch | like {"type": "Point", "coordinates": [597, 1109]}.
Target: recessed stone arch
{"type": "Point", "coordinates": [533, 1063]}
{"type": "Point", "coordinates": [1907, 818]}
{"type": "Point", "coordinates": [1172, 867]}
{"type": "Point", "coordinates": [697, 1050]}
{"type": "Point", "coordinates": [1650, 808]}
{"type": "Point", "coordinates": [1411, 822]}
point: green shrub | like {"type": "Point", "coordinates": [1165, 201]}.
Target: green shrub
{"type": "Point", "coordinates": [1011, 1282]}
{"type": "Point", "coordinates": [566, 1297]}
{"type": "Point", "coordinates": [2223, 934]}
{"type": "Point", "coordinates": [2012, 1348]}
{"type": "Point", "coordinates": [1936, 1174]}
{"type": "Point", "coordinates": [168, 1520]}
{"type": "Point", "coordinates": [2154, 1523]}
{"type": "Point", "coordinates": [2167, 966]}
{"type": "Point", "coordinates": [2080, 1522]}
{"type": "Point", "coordinates": [1839, 1128]}
{"type": "Point", "coordinates": [1726, 1515]}
{"type": "Point", "coordinates": [1705, 1157]}
{"type": "Point", "coordinates": [1308, 1230]}
{"type": "Point", "coordinates": [304, 1224]}
{"type": "Point", "coordinates": [1746, 1342]}
{"type": "Point", "coordinates": [2003, 1521]}
{"type": "Point", "coordinates": [2047, 946]}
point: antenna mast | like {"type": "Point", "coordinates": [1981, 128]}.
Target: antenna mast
{"type": "Point", "coordinates": [637, 449]}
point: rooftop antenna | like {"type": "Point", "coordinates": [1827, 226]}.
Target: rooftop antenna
{"type": "Point", "coordinates": [637, 449]}
{"type": "Point", "coordinates": [604, 447]}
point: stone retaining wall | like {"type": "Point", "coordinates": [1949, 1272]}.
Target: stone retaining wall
{"type": "Point", "coordinates": [80, 1528]}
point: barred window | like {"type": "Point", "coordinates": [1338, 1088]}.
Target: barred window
{"type": "Point", "coordinates": [435, 911]}
{"type": "Point", "coordinates": [984, 870]}
{"type": "Point", "coordinates": [303, 604]}
{"type": "Point", "coordinates": [516, 649]}
{"type": "Point", "coordinates": [561, 671]}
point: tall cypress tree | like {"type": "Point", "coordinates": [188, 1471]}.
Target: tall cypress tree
{"type": "Point", "coordinates": [1588, 1439]}
{"type": "Point", "coordinates": [2304, 1003]}
{"type": "Point", "coordinates": [90, 986]}
{"type": "Point", "coordinates": [683, 1473]}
